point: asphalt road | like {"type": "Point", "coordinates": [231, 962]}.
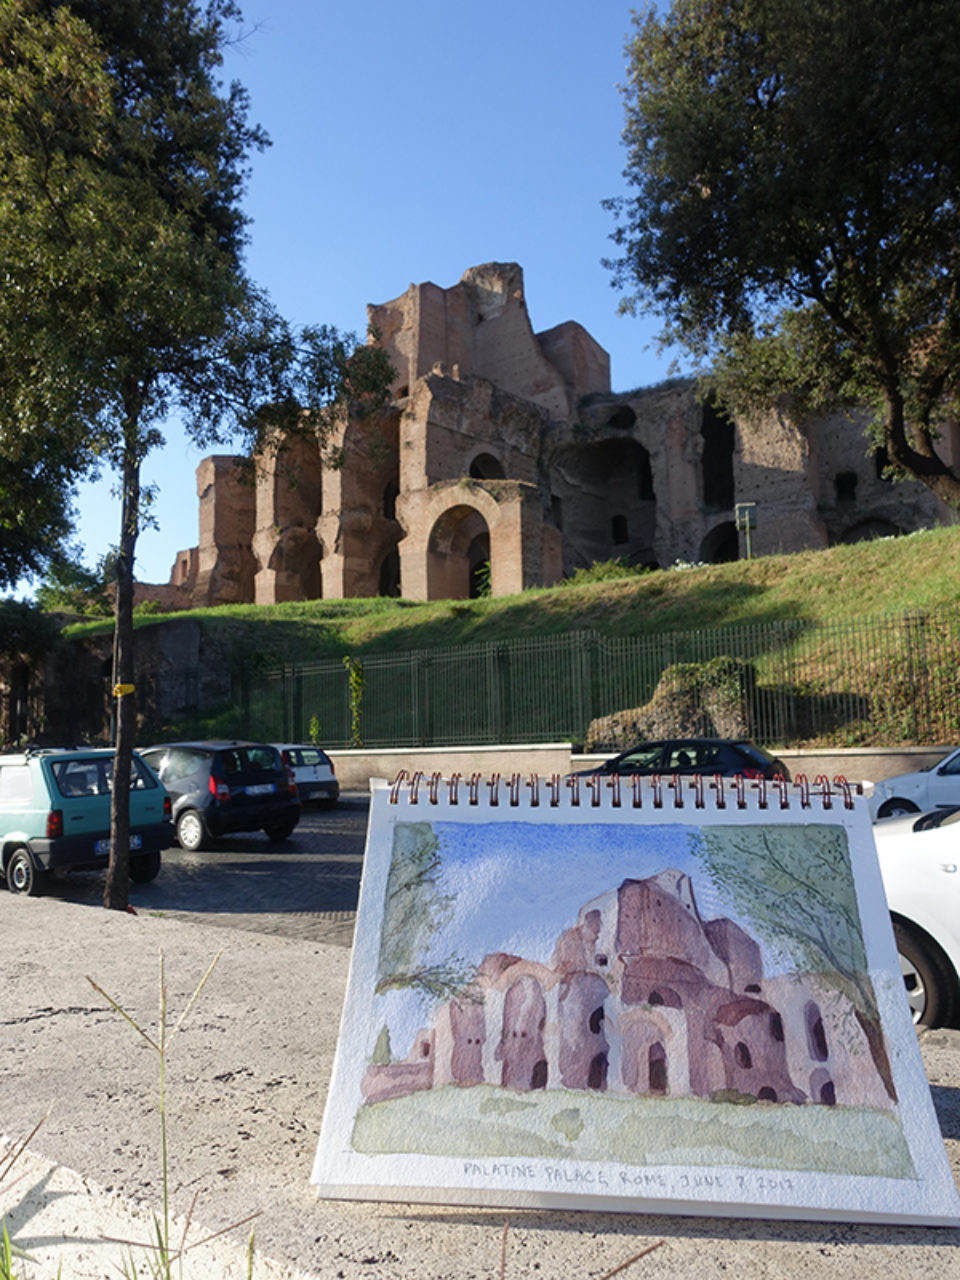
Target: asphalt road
{"type": "Point", "coordinates": [305, 887]}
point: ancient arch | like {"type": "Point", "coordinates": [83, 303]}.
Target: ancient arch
{"type": "Point", "coordinates": [459, 544]}
{"type": "Point", "coordinates": [721, 544]}
{"type": "Point", "coordinates": [487, 467]}
{"type": "Point", "coordinates": [521, 1046]}
{"type": "Point", "coordinates": [604, 493]}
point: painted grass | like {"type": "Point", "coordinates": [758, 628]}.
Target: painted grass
{"type": "Point", "coordinates": [489, 1123]}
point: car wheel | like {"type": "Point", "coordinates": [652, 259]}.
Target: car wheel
{"type": "Point", "coordinates": [926, 980]}
{"type": "Point", "coordinates": [282, 831]}
{"type": "Point", "coordinates": [145, 867]}
{"type": "Point", "coordinates": [896, 808]}
{"type": "Point", "coordinates": [191, 833]}
{"type": "Point", "coordinates": [22, 875]}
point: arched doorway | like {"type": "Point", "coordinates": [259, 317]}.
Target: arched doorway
{"type": "Point", "coordinates": [721, 545]}
{"type": "Point", "coordinates": [457, 551]}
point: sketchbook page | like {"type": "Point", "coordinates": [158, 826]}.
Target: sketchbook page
{"type": "Point", "coordinates": [661, 998]}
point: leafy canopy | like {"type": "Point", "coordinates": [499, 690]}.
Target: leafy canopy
{"type": "Point", "coordinates": [794, 213]}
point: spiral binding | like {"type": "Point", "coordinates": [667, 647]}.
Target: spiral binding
{"type": "Point", "coordinates": [588, 790]}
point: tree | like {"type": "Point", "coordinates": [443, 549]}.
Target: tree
{"type": "Point", "coordinates": [122, 165]}
{"type": "Point", "coordinates": [415, 912]}
{"type": "Point", "coordinates": [795, 216]}
{"type": "Point", "coordinates": [795, 887]}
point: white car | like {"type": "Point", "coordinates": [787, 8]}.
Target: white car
{"type": "Point", "coordinates": [920, 864]}
{"type": "Point", "coordinates": [918, 792]}
{"type": "Point", "coordinates": [313, 772]}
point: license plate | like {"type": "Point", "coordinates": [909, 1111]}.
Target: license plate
{"type": "Point", "coordinates": [316, 794]}
{"type": "Point", "coordinates": [261, 789]}
{"type": "Point", "coordinates": [103, 846]}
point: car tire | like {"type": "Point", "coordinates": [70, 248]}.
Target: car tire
{"type": "Point", "coordinates": [896, 808]}
{"type": "Point", "coordinates": [22, 876]}
{"type": "Point", "coordinates": [191, 832]}
{"type": "Point", "coordinates": [929, 986]}
{"type": "Point", "coordinates": [145, 867]}
{"type": "Point", "coordinates": [282, 831]}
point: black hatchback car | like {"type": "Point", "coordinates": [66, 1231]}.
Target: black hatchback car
{"type": "Point", "coordinates": [696, 755]}
{"type": "Point", "coordinates": [220, 787]}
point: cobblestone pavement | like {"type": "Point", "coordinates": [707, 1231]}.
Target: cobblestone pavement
{"type": "Point", "coordinates": [305, 887]}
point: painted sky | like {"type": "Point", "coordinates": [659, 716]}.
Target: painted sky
{"type": "Point", "coordinates": [411, 142]}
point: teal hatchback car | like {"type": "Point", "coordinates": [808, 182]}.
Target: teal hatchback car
{"type": "Point", "coordinates": [55, 815]}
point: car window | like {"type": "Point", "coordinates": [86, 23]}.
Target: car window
{"type": "Point", "coordinates": [80, 777]}
{"type": "Point", "coordinates": [310, 755]}
{"type": "Point", "coordinates": [174, 763]}
{"type": "Point", "coordinates": [232, 761]}
{"type": "Point", "coordinates": [16, 784]}
{"type": "Point", "coordinates": [952, 767]}
{"type": "Point", "coordinates": [262, 758]}
{"type": "Point", "coordinates": [141, 779]}
{"type": "Point", "coordinates": [643, 759]}
{"type": "Point", "coordinates": [683, 756]}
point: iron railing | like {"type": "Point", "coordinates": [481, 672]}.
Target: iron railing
{"type": "Point", "coordinates": [882, 681]}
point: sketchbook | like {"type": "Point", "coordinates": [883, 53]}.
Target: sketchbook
{"type": "Point", "coordinates": [656, 995]}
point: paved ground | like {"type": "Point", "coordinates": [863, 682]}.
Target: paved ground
{"type": "Point", "coordinates": [247, 1082]}
{"type": "Point", "coordinates": [305, 887]}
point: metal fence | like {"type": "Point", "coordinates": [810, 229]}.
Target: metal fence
{"type": "Point", "coordinates": [883, 681]}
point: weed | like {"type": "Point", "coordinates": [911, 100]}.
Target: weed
{"type": "Point", "coordinates": [162, 1253]}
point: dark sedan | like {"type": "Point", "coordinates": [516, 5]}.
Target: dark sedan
{"type": "Point", "coordinates": [695, 755]}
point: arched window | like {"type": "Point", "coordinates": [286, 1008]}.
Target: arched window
{"type": "Point", "coordinates": [486, 467]}
{"type": "Point", "coordinates": [742, 1056]}
{"type": "Point", "coordinates": [657, 1065]}
{"type": "Point", "coordinates": [618, 531]}
{"type": "Point", "coordinates": [816, 1035]}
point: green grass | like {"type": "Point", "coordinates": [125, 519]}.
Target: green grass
{"type": "Point", "coordinates": [635, 1132]}
{"type": "Point", "coordinates": [887, 576]}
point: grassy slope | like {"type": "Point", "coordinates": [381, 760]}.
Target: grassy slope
{"type": "Point", "coordinates": [888, 576]}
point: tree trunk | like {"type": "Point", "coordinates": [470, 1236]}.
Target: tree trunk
{"type": "Point", "coordinates": [117, 889]}
{"type": "Point", "coordinates": [878, 1050]}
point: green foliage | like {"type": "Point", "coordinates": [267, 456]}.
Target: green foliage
{"type": "Point", "coordinates": [69, 587]}
{"type": "Point", "coordinates": [356, 681]}
{"type": "Point", "coordinates": [794, 214]}
{"type": "Point", "coordinates": [602, 571]}
{"type": "Point", "coordinates": [382, 1054]}
{"type": "Point", "coordinates": [26, 632]}
{"type": "Point", "coordinates": [315, 730]}
{"type": "Point", "coordinates": [795, 888]}
{"type": "Point", "coordinates": [416, 910]}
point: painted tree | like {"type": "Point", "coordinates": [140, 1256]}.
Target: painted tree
{"type": "Point", "coordinates": [123, 164]}
{"type": "Point", "coordinates": [795, 888]}
{"type": "Point", "coordinates": [795, 208]}
{"type": "Point", "coordinates": [416, 910]}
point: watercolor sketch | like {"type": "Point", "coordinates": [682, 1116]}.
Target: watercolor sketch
{"type": "Point", "coordinates": [670, 994]}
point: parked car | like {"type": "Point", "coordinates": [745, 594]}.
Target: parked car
{"type": "Point", "coordinates": [920, 864]}
{"type": "Point", "coordinates": [55, 815]}
{"type": "Point", "coordinates": [929, 788]}
{"type": "Point", "coordinates": [314, 773]}
{"type": "Point", "coordinates": [695, 755]}
{"type": "Point", "coordinates": [220, 787]}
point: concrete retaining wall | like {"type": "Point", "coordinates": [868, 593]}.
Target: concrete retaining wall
{"type": "Point", "coordinates": [356, 768]}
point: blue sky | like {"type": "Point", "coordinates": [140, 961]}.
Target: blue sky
{"type": "Point", "coordinates": [411, 142]}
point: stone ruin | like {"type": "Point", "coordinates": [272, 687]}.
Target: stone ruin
{"type": "Point", "coordinates": [504, 461]}
{"type": "Point", "coordinates": [642, 996]}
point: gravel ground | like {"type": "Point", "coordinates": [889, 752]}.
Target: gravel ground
{"type": "Point", "coordinates": [247, 1078]}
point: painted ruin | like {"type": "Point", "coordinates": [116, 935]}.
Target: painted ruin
{"type": "Point", "coordinates": [504, 461]}
{"type": "Point", "coordinates": [644, 997]}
